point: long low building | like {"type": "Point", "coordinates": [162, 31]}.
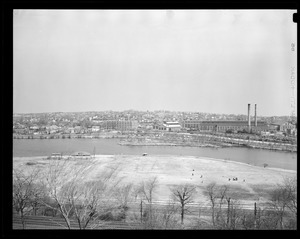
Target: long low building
{"type": "Point", "coordinates": [168, 126]}
{"type": "Point", "coordinates": [121, 125]}
{"type": "Point", "coordinates": [223, 125]}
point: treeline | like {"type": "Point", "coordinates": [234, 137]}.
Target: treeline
{"type": "Point", "coordinates": [59, 190]}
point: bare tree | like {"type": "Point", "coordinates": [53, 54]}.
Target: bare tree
{"type": "Point", "coordinates": [162, 217]}
{"type": "Point", "coordinates": [57, 176]}
{"type": "Point", "coordinates": [26, 192]}
{"type": "Point", "coordinates": [222, 194]}
{"type": "Point", "coordinates": [279, 202]}
{"type": "Point", "coordinates": [123, 194]}
{"type": "Point", "coordinates": [235, 215]}
{"type": "Point", "coordinates": [184, 194]}
{"type": "Point", "coordinates": [212, 194]}
{"type": "Point", "coordinates": [90, 200]}
{"type": "Point", "coordinates": [168, 219]}
{"type": "Point", "coordinates": [282, 198]}
{"type": "Point", "coordinates": [146, 191]}
{"type": "Point", "coordinates": [291, 186]}
{"type": "Point", "coordinates": [75, 198]}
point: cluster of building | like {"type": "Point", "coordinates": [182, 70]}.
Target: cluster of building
{"type": "Point", "coordinates": [94, 122]}
{"type": "Point", "coordinates": [226, 125]}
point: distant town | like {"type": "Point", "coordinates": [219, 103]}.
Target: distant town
{"type": "Point", "coordinates": [159, 127]}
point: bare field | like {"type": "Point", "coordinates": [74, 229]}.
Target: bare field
{"type": "Point", "coordinates": [252, 182]}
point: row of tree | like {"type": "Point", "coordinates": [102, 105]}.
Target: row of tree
{"type": "Point", "coordinates": [61, 189]}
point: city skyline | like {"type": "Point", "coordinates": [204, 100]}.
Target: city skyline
{"type": "Point", "coordinates": [188, 61]}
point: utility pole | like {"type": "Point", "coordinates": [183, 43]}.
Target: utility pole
{"type": "Point", "coordinates": [141, 211]}
{"type": "Point", "coordinates": [255, 211]}
{"type": "Point", "coordinates": [228, 212]}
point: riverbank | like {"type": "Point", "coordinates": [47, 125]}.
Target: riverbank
{"type": "Point", "coordinates": [253, 184]}
{"type": "Point", "coordinates": [216, 144]}
{"type": "Point", "coordinates": [170, 144]}
{"type": "Point", "coordinates": [174, 139]}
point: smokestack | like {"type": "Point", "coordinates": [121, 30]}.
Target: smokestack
{"type": "Point", "coordinates": [255, 116]}
{"type": "Point", "coordinates": [249, 122]}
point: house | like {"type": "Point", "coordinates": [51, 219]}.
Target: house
{"type": "Point", "coordinates": [52, 129]}
{"type": "Point", "coordinates": [35, 128]}
{"type": "Point", "coordinates": [95, 128]}
{"type": "Point", "coordinates": [158, 126]}
{"type": "Point", "coordinates": [168, 126]}
{"type": "Point", "coordinates": [71, 130]}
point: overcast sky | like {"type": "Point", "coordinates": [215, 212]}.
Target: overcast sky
{"type": "Point", "coordinates": [185, 60]}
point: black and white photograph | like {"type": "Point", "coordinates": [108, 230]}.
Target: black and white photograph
{"type": "Point", "coordinates": [159, 119]}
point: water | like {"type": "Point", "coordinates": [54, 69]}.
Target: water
{"type": "Point", "coordinates": [257, 157]}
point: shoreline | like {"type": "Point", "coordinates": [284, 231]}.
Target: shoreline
{"type": "Point", "coordinates": [222, 145]}
{"type": "Point", "coordinates": [216, 143]}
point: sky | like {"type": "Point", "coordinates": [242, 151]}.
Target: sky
{"type": "Point", "coordinates": [214, 61]}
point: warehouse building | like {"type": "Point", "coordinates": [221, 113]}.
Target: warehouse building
{"type": "Point", "coordinates": [121, 125]}
{"type": "Point", "coordinates": [172, 126]}
{"type": "Point", "coordinates": [168, 126]}
{"type": "Point", "coordinates": [224, 125]}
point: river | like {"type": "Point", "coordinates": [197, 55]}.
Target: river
{"type": "Point", "coordinates": [257, 157]}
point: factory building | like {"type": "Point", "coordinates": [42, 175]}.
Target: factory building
{"type": "Point", "coordinates": [125, 125]}
{"type": "Point", "coordinates": [223, 125]}
{"type": "Point", "coordinates": [159, 127]}
{"type": "Point", "coordinates": [172, 126]}
{"type": "Point", "coordinates": [109, 124]}
{"type": "Point", "coordinates": [168, 126]}
{"type": "Point", "coordinates": [122, 125]}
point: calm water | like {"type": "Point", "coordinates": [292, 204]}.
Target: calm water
{"type": "Point", "coordinates": [44, 147]}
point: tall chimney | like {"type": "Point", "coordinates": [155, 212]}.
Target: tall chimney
{"type": "Point", "coordinates": [255, 116]}
{"type": "Point", "coordinates": [249, 122]}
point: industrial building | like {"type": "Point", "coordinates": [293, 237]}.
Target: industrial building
{"type": "Point", "coordinates": [168, 126]}
{"type": "Point", "coordinates": [121, 125]}
{"type": "Point", "coordinates": [223, 125]}
{"type": "Point", "coordinates": [172, 126]}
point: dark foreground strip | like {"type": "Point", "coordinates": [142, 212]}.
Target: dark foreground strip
{"type": "Point", "coordinates": [41, 222]}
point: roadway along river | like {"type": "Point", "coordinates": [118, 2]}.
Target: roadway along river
{"type": "Point", "coordinates": [257, 157]}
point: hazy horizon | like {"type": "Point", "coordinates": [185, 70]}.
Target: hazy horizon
{"type": "Point", "coordinates": [245, 114]}
{"type": "Point", "coordinates": [178, 60]}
